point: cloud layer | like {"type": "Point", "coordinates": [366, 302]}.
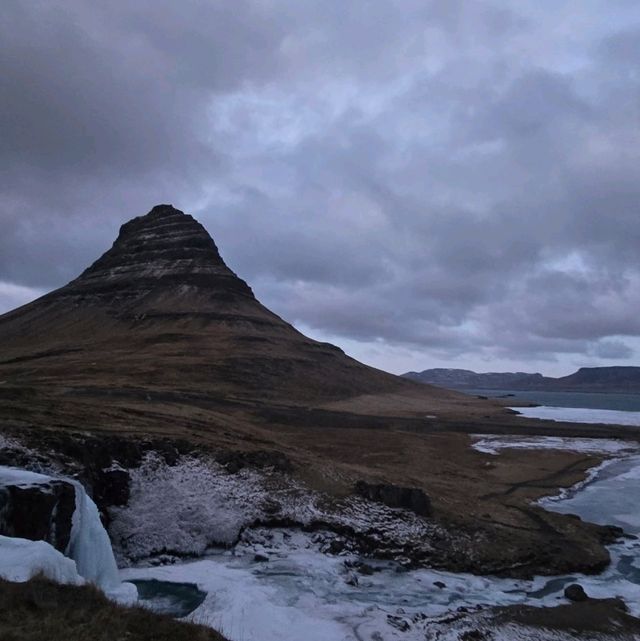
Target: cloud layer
{"type": "Point", "coordinates": [426, 183]}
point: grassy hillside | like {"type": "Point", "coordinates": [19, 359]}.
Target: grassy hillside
{"type": "Point", "coordinates": [41, 610]}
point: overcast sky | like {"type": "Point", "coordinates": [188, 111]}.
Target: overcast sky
{"type": "Point", "coordinates": [444, 183]}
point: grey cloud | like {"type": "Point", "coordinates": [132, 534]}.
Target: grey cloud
{"type": "Point", "coordinates": [452, 178]}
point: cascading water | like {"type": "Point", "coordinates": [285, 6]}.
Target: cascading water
{"type": "Point", "coordinates": [89, 544]}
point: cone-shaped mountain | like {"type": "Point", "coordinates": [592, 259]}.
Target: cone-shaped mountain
{"type": "Point", "coordinates": [160, 335]}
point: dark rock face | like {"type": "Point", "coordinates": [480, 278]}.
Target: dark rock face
{"type": "Point", "coordinates": [575, 592]}
{"type": "Point", "coordinates": [41, 512]}
{"type": "Point", "coordinates": [410, 498]}
{"type": "Point", "coordinates": [164, 247]}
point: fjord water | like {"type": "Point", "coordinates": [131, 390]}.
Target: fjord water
{"type": "Point", "coordinates": [587, 400]}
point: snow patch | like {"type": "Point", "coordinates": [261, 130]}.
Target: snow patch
{"type": "Point", "coordinates": [21, 560]}
{"type": "Point", "coordinates": [492, 444]}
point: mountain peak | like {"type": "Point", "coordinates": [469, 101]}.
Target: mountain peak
{"type": "Point", "coordinates": [163, 249]}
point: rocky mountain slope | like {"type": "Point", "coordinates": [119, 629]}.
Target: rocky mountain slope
{"type": "Point", "coordinates": [586, 379]}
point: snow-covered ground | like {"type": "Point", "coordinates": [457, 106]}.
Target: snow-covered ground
{"type": "Point", "coordinates": [580, 415]}
{"type": "Point", "coordinates": [490, 444]}
{"type": "Point", "coordinates": [300, 592]}
{"type": "Point", "coordinates": [281, 584]}
{"type": "Point", "coordinates": [196, 504]}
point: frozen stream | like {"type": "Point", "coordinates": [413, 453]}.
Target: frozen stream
{"type": "Point", "coordinates": [301, 593]}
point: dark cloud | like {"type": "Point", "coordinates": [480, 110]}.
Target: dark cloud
{"type": "Point", "coordinates": [435, 182]}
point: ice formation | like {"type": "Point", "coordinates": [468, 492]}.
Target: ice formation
{"type": "Point", "coordinates": [89, 550]}
{"type": "Point", "coordinates": [21, 560]}
{"type": "Point", "coordinates": [89, 545]}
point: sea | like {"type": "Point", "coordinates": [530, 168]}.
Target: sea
{"type": "Point", "coordinates": [586, 400]}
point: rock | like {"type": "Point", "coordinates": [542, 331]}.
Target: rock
{"type": "Point", "coordinates": [398, 623]}
{"type": "Point", "coordinates": [260, 558]}
{"type": "Point", "coordinates": [366, 569]}
{"type": "Point", "coordinates": [351, 579]}
{"type": "Point", "coordinates": [440, 584]}
{"type": "Point", "coordinates": [575, 592]}
{"type": "Point", "coordinates": [410, 498]}
{"type": "Point", "coordinates": [41, 512]}
{"type": "Point", "coordinates": [112, 486]}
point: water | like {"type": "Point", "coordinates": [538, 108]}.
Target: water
{"type": "Point", "coordinates": [612, 498]}
{"type": "Point", "coordinates": [589, 400]}
{"type": "Point", "coordinates": [167, 597]}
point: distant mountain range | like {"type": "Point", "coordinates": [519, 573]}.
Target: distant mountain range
{"type": "Point", "coordinates": [586, 379]}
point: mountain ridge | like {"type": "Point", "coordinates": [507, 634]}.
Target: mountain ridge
{"type": "Point", "coordinates": [587, 379]}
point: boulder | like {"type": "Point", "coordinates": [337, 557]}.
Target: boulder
{"type": "Point", "coordinates": [575, 592]}
{"type": "Point", "coordinates": [409, 498]}
{"type": "Point", "coordinates": [38, 512]}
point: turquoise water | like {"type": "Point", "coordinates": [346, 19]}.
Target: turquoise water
{"type": "Point", "coordinates": [588, 400]}
{"type": "Point", "coordinates": [168, 597]}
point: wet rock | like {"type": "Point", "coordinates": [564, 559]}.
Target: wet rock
{"type": "Point", "coordinates": [260, 558]}
{"type": "Point", "coordinates": [440, 584]}
{"type": "Point", "coordinates": [398, 623]}
{"type": "Point", "coordinates": [41, 512]}
{"type": "Point", "coordinates": [410, 498]}
{"type": "Point", "coordinates": [351, 579]}
{"type": "Point", "coordinates": [575, 592]}
{"type": "Point", "coordinates": [366, 569]}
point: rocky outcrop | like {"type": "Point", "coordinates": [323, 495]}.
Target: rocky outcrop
{"type": "Point", "coordinates": [39, 512]}
{"type": "Point", "coordinates": [410, 498]}
{"type": "Point", "coordinates": [575, 592]}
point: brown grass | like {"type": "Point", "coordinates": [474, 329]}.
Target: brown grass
{"type": "Point", "coordinates": [41, 610]}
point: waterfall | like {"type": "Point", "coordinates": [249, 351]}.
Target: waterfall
{"type": "Point", "coordinates": [89, 544]}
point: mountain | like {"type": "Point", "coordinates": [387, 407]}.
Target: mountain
{"type": "Point", "coordinates": [160, 335]}
{"type": "Point", "coordinates": [464, 378]}
{"type": "Point", "coordinates": [586, 379]}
